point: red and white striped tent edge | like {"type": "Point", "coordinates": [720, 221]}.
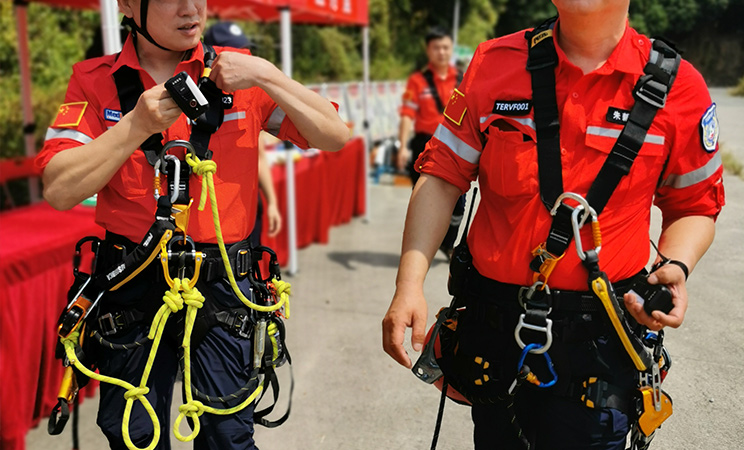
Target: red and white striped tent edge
{"type": "Point", "coordinates": [323, 12]}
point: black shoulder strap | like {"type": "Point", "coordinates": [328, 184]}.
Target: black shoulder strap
{"type": "Point", "coordinates": [209, 122]}
{"type": "Point", "coordinates": [541, 61]}
{"type": "Point", "coordinates": [460, 75]}
{"type": "Point", "coordinates": [429, 77]}
{"type": "Point", "coordinates": [650, 93]}
{"type": "Point", "coordinates": [129, 88]}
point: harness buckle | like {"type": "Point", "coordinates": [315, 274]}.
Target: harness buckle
{"type": "Point", "coordinates": [651, 91]}
{"type": "Point", "coordinates": [594, 390]}
{"type": "Point", "coordinates": [107, 324]}
{"type": "Point", "coordinates": [242, 263]}
{"type": "Point", "coordinates": [243, 325]}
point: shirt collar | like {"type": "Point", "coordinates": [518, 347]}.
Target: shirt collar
{"type": "Point", "coordinates": [128, 57]}
{"type": "Point", "coordinates": [629, 56]}
{"type": "Point", "coordinates": [451, 70]}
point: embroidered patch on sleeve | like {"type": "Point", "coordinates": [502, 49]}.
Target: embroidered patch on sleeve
{"type": "Point", "coordinates": [456, 108]}
{"type": "Point", "coordinates": [70, 114]}
{"type": "Point", "coordinates": [709, 129]}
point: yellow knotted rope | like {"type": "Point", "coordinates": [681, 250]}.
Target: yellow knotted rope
{"type": "Point", "coordinates": [194, 408]}
{"type": "Point", "coordinates": [206, 170]}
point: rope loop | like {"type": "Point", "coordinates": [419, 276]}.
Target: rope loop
{"type": "Point", "coordinates": [136, 392]}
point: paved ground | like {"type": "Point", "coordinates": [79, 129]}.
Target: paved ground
{"type": "Point", "coordinates": [350, 395]}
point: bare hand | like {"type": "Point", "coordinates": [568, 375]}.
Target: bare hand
{"type": "Point", "coordinates": [233, 71]}
{"type": "Point", "coordinates": [407, 310]}
{"type": "Point", "coordinates": [275, 220]}
{"type": "Point", "coordinates": [674, 278]}
{"type": "Point", "coordinates": [155, 111]}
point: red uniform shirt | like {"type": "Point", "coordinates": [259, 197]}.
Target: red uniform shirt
{"type": "Point", "coordinates": [490, 135]}
{"type": "Point", "coordinates": [126, 205]}
{"type": "Point", "coordinates": [419, 103]}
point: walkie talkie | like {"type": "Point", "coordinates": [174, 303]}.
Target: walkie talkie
{"type": "Point", "coordinates": [461, 260]}
{"type": "Point", "coordinates": [187, 96]}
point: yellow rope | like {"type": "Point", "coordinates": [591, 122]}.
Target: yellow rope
{"type": "Point", "coordinates": [206, 170]}
{"type": "Point", "coordinates": [194, 408]}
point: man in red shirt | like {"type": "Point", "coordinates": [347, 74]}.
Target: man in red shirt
{"type": "Point", "coordinates": [423, 104]}
{"type": "Point", "coordinates": [490, 134]}
{"type": "Point", "coordinates": [94, 147]}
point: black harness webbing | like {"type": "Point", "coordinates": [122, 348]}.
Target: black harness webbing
{"type": "Point", "coordinates": [650, 93]}
{"type": "Point", "coordinates": [129, 88]}
{"type": "Point", "coordinates": [429, 77]}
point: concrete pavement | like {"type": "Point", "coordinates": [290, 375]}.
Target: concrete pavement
{"type": "Point", "coordinates": [350, 395]}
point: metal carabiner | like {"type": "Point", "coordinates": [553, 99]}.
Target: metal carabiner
{"type": "Point", "coordinates": [576, 224]}
{"type": "Point", "coordinates": [196, 256]}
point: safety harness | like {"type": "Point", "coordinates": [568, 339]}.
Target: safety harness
{"type": "Point", "coordinates": [647, 354]}
{"type": "Point", "coordinates": [429, 77]}
{"type": "Point", "coordinates": [168, 241]}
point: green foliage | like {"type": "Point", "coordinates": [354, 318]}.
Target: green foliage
{"type": "Point", "coordinates": [57, 39]}
{"type": "Point", "coordinates": [739, 89]}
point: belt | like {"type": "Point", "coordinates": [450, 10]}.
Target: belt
{"type": "Point", "coordinates": [115, 247]}
{"type": "Point", "coordinates": [505, 294]}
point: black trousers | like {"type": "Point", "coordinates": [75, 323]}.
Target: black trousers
{"type": "Point", "coordinates": [584, 346]}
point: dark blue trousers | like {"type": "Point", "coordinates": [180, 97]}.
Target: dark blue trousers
{"type": "Point", "coordinates": [220, 365]}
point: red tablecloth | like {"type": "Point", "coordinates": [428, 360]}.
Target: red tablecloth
{"type": "Point", "coordinates": [330, 191]}
{"type": "Point", "coordinates": [35, 273]}
{"type": "Point", "coordinates": [36, 248]}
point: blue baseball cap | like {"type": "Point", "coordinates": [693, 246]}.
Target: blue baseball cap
{"type": "Point", "coordinates": [227, 34]}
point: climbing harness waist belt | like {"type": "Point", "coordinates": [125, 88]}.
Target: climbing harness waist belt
{"type": "Point", "coordinates": [115, 246]}
{"type": "Point", "coordinates": [509, 295]}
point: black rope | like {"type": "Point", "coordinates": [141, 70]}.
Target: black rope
{"type": "Point", "coordinates": [440, 414]}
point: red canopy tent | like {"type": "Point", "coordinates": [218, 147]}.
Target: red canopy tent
{"type": "Point", "coordinates": [324, 12]}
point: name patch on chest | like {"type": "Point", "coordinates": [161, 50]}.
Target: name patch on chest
{"type": "Point", "coordinates": [617, 115]}
{"type": "Point", "coordinates": [512, 107]}
{"type": "Point", "coordinates": [111, 115]}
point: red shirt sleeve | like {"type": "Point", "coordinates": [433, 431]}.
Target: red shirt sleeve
{"type": "Point", "coordinates": [409, 106]}
{"type": "Point", "coordinates": [692, 182]}
{"type": "Point", "coordinates": [453, 153]}
{"type": "Point", "coordinates": [77, 122]}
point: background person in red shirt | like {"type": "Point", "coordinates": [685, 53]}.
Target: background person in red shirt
{"type": "Point", "coordinates": [490, 134]}
{"type": "Point", "coordinates": [423, 103]}
{"type": "Point", "coordinates": [94, 147]}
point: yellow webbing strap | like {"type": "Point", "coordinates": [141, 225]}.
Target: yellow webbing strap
{"type": "Point", "coordinates": [206, 170]}
{"type": "Point", "coordinates": [163, 239]}
{"type": "Point", "coordinates": [641, 360]}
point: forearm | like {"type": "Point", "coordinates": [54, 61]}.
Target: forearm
{"type": "Point", "coordinates": [404, 130]}
{"type": "Point", "coordinates": [315, 117]}
{"type": "Point", "coordinates": [687, 239]}
{"type": "Point", "coordinates": [79, 172]}
{"type": "Point", "coordinates": [265, 181]}
{"type": "Point", "coordinates": [427, 221]}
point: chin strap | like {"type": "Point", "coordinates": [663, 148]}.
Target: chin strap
{"type": "Point", "coordinates": [128, 21]}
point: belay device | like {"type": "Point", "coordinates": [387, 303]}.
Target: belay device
{"type": "Point", "coordinates": [168, 241]}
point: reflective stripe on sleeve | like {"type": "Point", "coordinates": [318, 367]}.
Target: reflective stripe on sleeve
{"type": "Point", "coordinates": [696, 176]}
{"type": "Point", "coordinates": [275, 121]}
{"type": "Point", "coordinates": [66, 133]}
{"type": "Point", "coordinates": [457, 146]}
{"type": "Point", "coordinates": [412, 105]}
{"type": "Point", "coordinates": [234, 116]}
{"type": "Point", "coordinates": [615, 133]}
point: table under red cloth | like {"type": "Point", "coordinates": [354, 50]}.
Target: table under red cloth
{"type": "Point", "coordinates": [35, 273]}
{"type": "Point", "coordinates": [330, 189]}
{"type": "Point", "coordinates": [36, 248]}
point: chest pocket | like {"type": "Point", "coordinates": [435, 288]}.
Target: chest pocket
{"type": "Point", "coordinates": [508, 164]}
{"type": "Point", "coordinates": [647, 166]}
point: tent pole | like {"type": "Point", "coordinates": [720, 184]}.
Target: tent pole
{"type": "Point", "coordinates": [365, 112]}
{"type": "Point", "coordinates": [29, 125]}
{"type": "Point", "coordinates": [285, 17]}
{"type": "Point", "coordinates": [110, 27]}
